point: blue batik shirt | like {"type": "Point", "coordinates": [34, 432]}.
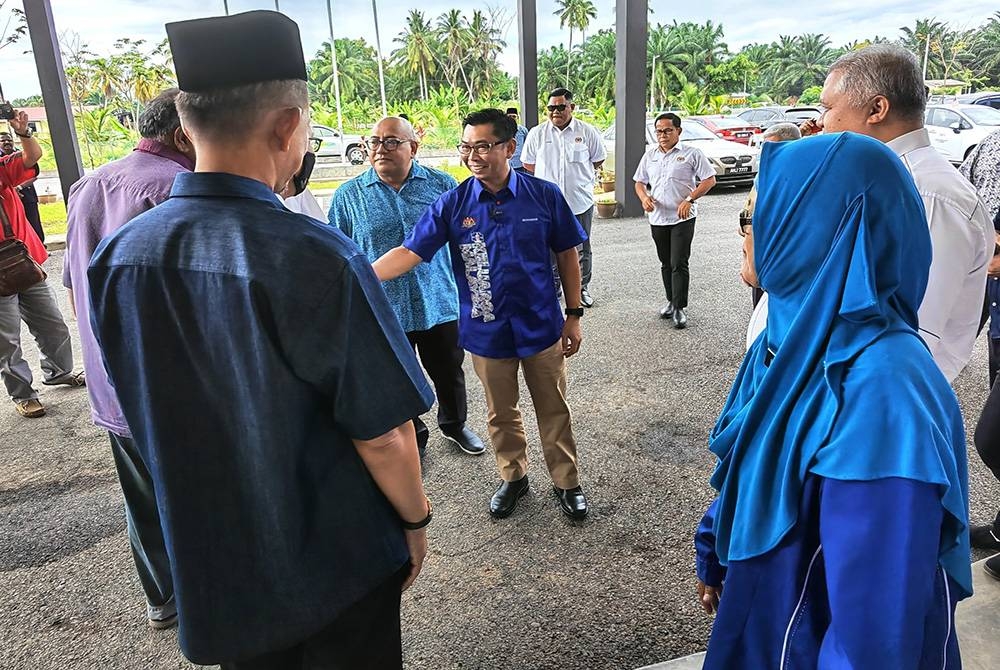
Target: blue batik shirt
{"type": "Point", "coordinates": [378, 218]}
{"type": "Point", "coordinates": [519, 136]}
{"type": "Point", "coordinates": [248, 345]}
{"type": "Point", "coordinates": [501, 246]}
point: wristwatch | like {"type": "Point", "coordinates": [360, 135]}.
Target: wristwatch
{"type": "Point", "coordinates": [689, 199]}
{"type": "Point", "coordinates": [423, 522]}
{"type": "Point", "coordinates": [24, 135]}
{"type": "Point", "coordinates": [574, 311]}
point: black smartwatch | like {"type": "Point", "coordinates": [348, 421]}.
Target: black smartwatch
{"type": "Point", "coordinates": [574, 311]}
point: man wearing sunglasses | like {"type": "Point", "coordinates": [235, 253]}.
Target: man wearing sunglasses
{"type": "Point", "coordinates": [566, 151]}
{"type": "Point", "coordinates": [378, 209]}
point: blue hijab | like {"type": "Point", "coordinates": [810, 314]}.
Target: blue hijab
{"type": "Point", "coordinates": [839, 384]}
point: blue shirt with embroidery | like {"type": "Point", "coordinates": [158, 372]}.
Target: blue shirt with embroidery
{"type": "Point", "coordinates": [248, 345]}
{"type": "Point", "coordinates": [378, 218]}
{"type": "Point", "coordinates": [501, 247]}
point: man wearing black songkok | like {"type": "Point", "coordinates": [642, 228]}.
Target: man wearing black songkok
{"type": "Point", "coordinates": [266, 379]}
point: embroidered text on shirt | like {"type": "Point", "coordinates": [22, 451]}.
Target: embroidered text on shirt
{"type": "Point", "coordinates": [477, 272]}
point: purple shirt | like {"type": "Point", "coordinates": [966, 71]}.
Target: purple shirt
{"type": "Point", "coordinates": [99, 204]}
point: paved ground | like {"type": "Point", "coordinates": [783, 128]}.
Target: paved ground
{"type": "Point", "coordinates": [534, 591]}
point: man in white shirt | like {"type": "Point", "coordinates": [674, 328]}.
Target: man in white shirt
{"type": "Point", "coordinates": [669, 180]}
{"type": "Point", "coordinates": [566, 151]}
{"type": "Point", "coordinates": [879, 91]}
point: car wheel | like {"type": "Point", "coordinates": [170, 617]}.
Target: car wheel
{"type": "Point", "coordinates": [356, 154]}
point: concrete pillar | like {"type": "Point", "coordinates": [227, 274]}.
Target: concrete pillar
{"type": "Point", "coordinates": [527, 47]}
{"type": "Point", "coordinates": [631, 21]}
{"type": "Point", "coordinates": [52, 77]}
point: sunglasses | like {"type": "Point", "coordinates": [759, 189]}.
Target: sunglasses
{"type": "Point", "coordinates": [556, 108]}
{"type": "Point", "coordinates": [314, 144]}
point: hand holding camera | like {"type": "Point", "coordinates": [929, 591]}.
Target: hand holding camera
{"type": "Point", "coordinates": [18, 122]}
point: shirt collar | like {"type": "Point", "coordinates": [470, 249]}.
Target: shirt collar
{"type": "Point", "coordinates": [158, 148]}
{"type": "Point", "coordinates": [512, 185]}
{"type": "Point", "coordinates": [221, 185]}
{"type": "Point", "coordinates": [417, 171]}
{"type": "Point", "coordinates": [571, 126]}
{"type": "Point", "coordinates": [915, 139]}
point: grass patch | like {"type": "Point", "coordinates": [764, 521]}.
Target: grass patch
{"type": "Point", "coordinates": [53, 216]}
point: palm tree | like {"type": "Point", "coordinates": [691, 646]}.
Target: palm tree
{"type": "Point", "coordinates": [574, 14]}
{"type": "Point", "coordinates": [484, 45]}
{"type": "Point", "coordinates": [417, 51]}
{"type": "Point", "coordinates": [920, 38]}
{"type": "Point", "coordinates": [358, 77]}
{"type": "Point", "coordinates": [803, 61]}
{"type": "Point", "coordinates": [452, 30]}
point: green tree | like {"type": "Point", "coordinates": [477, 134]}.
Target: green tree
{"type": "Point", "coordinates": [452, 30]}
{"type": "Point", "coordinates": [417, 51]}
{"type": "Point", "coordinates": [574, 14]}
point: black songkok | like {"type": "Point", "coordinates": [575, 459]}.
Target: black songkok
{"type": "Point", "coordinates": [230, 51]}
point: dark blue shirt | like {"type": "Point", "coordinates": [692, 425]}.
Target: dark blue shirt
{"type": "Point", "coordinates": [501, 247]}
{"type": "Point", "coordinates": [248, 345]}
{"type": "Point", "coordinates": [993, 294]}
{"type": "Point", "coordinates": [854, 584]}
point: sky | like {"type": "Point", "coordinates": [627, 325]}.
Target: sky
{"type": "Point", "coordinates": [100, 22]}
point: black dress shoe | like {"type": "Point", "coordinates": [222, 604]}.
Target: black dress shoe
{"type": "Point", "coordinates": [680, 318]}
{"type": "Point", "coordinates": [466, 440]}
{"type": "Point", "coordinates": [504, 501]}
{"type": "Point", "coordinates": [585, 299]}
{"type": "Point", "coordinates": [572, 502]}
{"type": "Point", "coordinates": [992, 566]}
{"type": "Point", "coordinates": [982, 537]}
{"type": "Point", "coordinates": [667, 310]}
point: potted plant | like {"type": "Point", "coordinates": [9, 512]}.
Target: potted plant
{"type": "Point", "coordinates": [607, 206]}
{"type": "Point", "coordinates": [606, 178]}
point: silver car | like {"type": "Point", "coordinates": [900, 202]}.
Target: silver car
{"type": "Point", "coordinates": [734, 163]}
{"type": "Point", "coordinates": [333, 145]}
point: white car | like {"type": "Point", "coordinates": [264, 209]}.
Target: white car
{"type": "Point", "coordinates": [734, 163]}
{"type": "Point", "coordinates": [956, 129]}
{"type": "Point", "coordinates": [333, 145]}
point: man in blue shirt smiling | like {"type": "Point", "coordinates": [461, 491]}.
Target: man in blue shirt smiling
{"type": "Point", "coordinates": [501, 227]}
{"type": "Point", "coordinates": [378, 209]}
{"type": "Point", "coordinates": [266, 381]}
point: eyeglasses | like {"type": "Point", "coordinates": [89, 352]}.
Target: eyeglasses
{"type": "Point", "coordinates": [314, 144]}
{"type": "Point", "coordinates": [481, 149]}
{"type": "Point", "coordinates": [556, 108]}
{"type": "Point", "coordinates": [389, 143]}
{"type": "Point", "coordinates": [667, 131]}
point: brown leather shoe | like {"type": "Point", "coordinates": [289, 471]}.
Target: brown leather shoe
{"type": "Point", "coordinates": [30, 408]}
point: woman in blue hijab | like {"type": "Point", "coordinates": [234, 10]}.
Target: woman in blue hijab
{"type": "Point", "coordinates": [840, 528]}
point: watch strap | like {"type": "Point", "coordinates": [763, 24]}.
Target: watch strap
{"type": "Point", "coordinates": [574, 311]}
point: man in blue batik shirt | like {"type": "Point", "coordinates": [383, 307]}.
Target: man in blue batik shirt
{"type": "Point", "coordinates": [501, 227]}
{"type": "Point", "coordinates": [266, 381]}
{"type": "Point", "coordinates": [377, 209]}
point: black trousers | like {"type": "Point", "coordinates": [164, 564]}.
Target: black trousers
{"type": "Point", "coordinates": [34, 217]}
{"type": "Point", "coordinates": [365, 635]}
{"type": "Point", "coordinates": [145, 535]}
{"type": "Point", "coordinates": [673, 248]}
{"type": "Point", "coordinates": [993, 345]}
{"type": "Point", "coordinates": [442, 358]}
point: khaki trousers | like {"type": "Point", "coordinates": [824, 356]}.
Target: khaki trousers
{"type": "Point", "coordinates": [545, 376]}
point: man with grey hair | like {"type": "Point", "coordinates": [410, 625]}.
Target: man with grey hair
{"type": "Point", "coordinates": [378, 210]}
{"type": "Point", "coordinates": [266, 381]}
{"type": "Point", "coordinates": [879, 91]}
{"type": "Point", "coordinates": [99, 204]}
{"type": "Point", "coordinates": [782, 132]}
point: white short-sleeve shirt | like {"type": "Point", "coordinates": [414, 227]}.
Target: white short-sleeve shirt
{"type": "Point", "coordinates": [671, 177]}
{"type": "Point", "coordinates": [566, 158]}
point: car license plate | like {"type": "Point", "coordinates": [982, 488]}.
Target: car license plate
{"type": "Point", "coordinates": [738, 170]}
{"type": "Point", "coordinates": [748, 134]}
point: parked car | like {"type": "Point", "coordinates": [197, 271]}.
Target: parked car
{"type": "Point", "coordinates": [765, 117]}
{"type": "Point", "coordinates": [730, 128]}
{"type": "Point", "coordinates": [333, 145]}
{"type": "Point", "coordinates": [956, 129]}
{"type": "Point", "coordinates": [987, 98]}
{"type": "Point", "coordinates": [734, 163]}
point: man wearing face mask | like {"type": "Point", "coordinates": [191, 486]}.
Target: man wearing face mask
{"type": "Point", "coordinates": [266, 381]}
{"type": "Point", "coordinates": [378, 209]}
